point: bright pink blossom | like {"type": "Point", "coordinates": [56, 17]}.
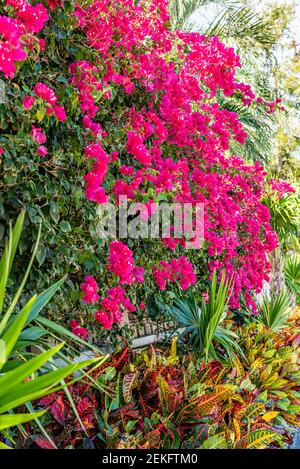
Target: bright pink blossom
{"type": "Point", "coordinates": [28, 102]}
{"type": "Point", "coordinates": [46, 93]}
{"type": "Point", "coordinates": [60, 113]}
{"type": "Point", "coordinates": [38, 134]}
{"type": "Point", "coordinates": [121, 262]}
{"type": "Point", "coordinates": [90, 288]}
{"type": "Point", "coordinates": [33, 17]}
{"type": "Point", "coordinates": [114, 304]}
{"type": "Point", "coordinates": [78, 330]}
{"type": "Point", "coordinates": [177, 270]}
{"type": "Point", "coordinates": [105, 319]}
{"type": "Point", "coordinates": [42, 151]}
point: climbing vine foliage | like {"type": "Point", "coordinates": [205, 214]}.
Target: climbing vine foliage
{"type": "Point", "coordinates": [109, 84]}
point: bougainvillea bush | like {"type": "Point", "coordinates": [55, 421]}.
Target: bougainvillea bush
{"type": "Point", "coordinates": [104, 100]}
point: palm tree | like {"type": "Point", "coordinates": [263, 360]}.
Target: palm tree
{"type": "Point", "coordinates": [285, 221]}
{"type": "Point", "coordinates": [234, 21]}
{"type": "Point", "coordinates": [252, 36]}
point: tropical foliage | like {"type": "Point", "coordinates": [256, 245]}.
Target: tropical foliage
{"type": "Point", "coordinates": [292, 274]}
{"type": "Point", "coordinates": [162, 399]}
{"type": "Point", "coordinates": [20, 382]}
{"type": "Point", "coordinates": [200, 325]}
{"type": "Point", "coordinates": [274, 311]}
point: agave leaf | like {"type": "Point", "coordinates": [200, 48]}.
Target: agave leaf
{"type": "Point", "coordinates": [9, 254]}
{"type": "Point", "coordinates": [61, 331]}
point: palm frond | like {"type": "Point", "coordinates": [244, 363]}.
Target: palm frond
{"type": "Point", "coordinates": [259, 128]}
{"type": "Point", "coordinates": [233, 22]}
{"type": "Point", "coordinates": [284, 213]}
{"type": "Point", "coordinates": [243, 26]}
{"type": "Point", "coordinates": [182, 10]}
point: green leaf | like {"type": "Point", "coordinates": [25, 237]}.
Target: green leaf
{"type": "Point", "coordinates": [13, 303]}
{"type": "Point", "coordinates": [16, 234]}
{"type": "Point", "coordinates": [12, 379]}
{"type": "Point", "coordinates": [65, 226]}
{"type": "Point", "coordinates": [43, 299]}
{"type": "Point", "coordinates": [8, 420]}
{"type": "Point", "coordinates": [41, 254]}
{"type": "Point", "coordinates": [29, 335]}
{"type": "Point", "coordinates": [63, 332]}
{"type": "Point", "coordinates": [41, 386]}
{"type": "Point", "coordinates": [215, 442]}
{"type": "Point", "coordinates": [40, 114]}
{"type": "Point", "coordinates": [11, 335]}
{"type": "Point", "coordinates": [4, 446]}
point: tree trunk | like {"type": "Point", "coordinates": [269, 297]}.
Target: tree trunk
{"type": "Point", "coordinates": [277, 282]}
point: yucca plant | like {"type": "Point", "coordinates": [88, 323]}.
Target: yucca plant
{"type": "Point", "coordinates": [200, 324]}
{"type": "Point", "coordinates": [292, 274]}
{"type": "Point", "coordinates": [20, 381]}
{"type": "Point", "coordinates": [275, 310]}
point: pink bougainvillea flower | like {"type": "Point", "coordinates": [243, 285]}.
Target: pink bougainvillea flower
{"type": "Point", "coordinates": [90, 288]}
{"type": "Point", "coordinates": [114, 304]}
{"type": "Point", "coordinates": [34, 17]}
{"type": "Point", "coordinates": [126, 170]}
{"type": "Point", "coordinates": [38, 134]}
{"type": "Point", "coordinates": [78, 330]}
{"type": "Point", "coordinates": [28, 102]}
{"type": "Point", "coordinates": [8, 57]}
{"type": "Point", "coordinates": [104, 318]}
{"type": "Point", "coordinates": [42, 151]}
{"type": "Point", "coordinates": [95, 151]}
{"type": "Point", "coordinates": [60, 113]}
{"type": "Point", "coordinates": [176, 270]}
{"type": "Point", "coordinates": [42, 44]}
{"type": "Point", "coordinates": [138, 273]}
{"type": "Point", "coordinates": [121, 262]}
{"type": "Point", "coordinates": [136, 148]}
{"type": "Point", "coordinates": [93, 191]}
{"type": "Point", "coordinates": [46, 93]}
{"type": "Point", "coordinates": [94, 127]}
{"type": "Point", "coordinates": [172, 143]}
{"type": "Point", "coordinates": [280, 188]}
{"type": "Point", "coordinates": [114, 156]}
{"type": "Point", "coordinates": [11, 47]}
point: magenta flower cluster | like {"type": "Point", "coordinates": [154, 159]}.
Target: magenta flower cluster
{"type": "Point", "coordinates": [175, 139]}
